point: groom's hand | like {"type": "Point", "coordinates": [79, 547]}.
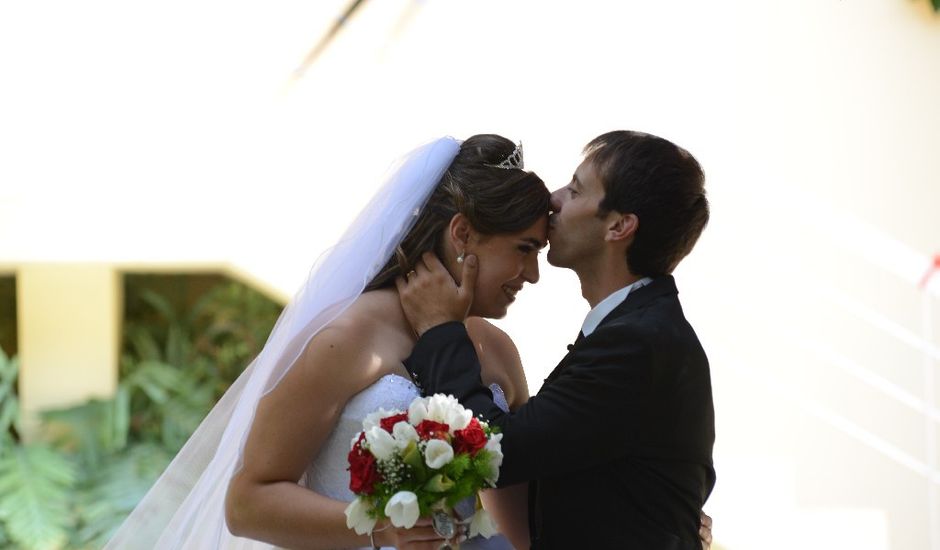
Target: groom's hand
{"type": "Point", "coordinates": [431, 297]}
{"type": "Point", "coordinates": [705, 531]}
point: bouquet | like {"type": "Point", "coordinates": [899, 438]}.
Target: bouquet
{"type": "Point", "coordinates": [405, 465]}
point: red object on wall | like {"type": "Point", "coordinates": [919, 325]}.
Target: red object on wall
{"type": "Point", "coordinates": [930, 271]}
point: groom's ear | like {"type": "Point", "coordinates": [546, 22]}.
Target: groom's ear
{"type": "Point", "coordinates": [622, 227]}
{"type": "Point", "coordinates": [459, 230]}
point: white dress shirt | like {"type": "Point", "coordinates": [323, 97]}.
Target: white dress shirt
{"type": "Point", "coordinates": [603, 309]}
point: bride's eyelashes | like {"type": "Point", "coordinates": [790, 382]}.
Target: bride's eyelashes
{"type": "Point", "coordinates": [530, 245]}
{"type": "Point", "coordinates": [528, 249]}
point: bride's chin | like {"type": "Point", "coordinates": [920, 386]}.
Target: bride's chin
{"type": "Point", "coordinates": [491, 313]}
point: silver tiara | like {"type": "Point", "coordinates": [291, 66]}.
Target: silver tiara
{"type": "Point", "coordinates": [514, 160]}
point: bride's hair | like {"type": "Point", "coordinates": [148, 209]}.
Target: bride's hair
{"type": "Point", "coordinates": [494, 200]}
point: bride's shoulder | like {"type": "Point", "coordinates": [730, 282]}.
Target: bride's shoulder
{"type": "Point", "coordinates": [371, 312]}
{"type": "Point", "coordinates": [499, 359]}
{"type": "Point", "coordinates": [366, 330]}
{"type": "Point", "coordinates": [483, 332]}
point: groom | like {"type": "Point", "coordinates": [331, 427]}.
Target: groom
{"type": "Point", "coordinates": [617, 445]}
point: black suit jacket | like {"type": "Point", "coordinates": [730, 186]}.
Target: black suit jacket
{"type": "Point", "coordinates": [618, 442]}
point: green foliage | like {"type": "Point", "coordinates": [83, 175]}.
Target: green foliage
{"type": "Point", "coordinates": [9, 403]}
{"type": "Point", "coordinates": [86, 432]}
{"type": "Point", "coordinates": [107, 495]}
{"type": "Point", "coordinates": [214, 336]}
{"type": "Point", "coordinates": [35, 486]}
{"type": "Point", "coordinates": [456, 467]}
{"type": "Point", "coordinates": [455, 481]}
{"type": "Point", "coordinates": [99, 458]}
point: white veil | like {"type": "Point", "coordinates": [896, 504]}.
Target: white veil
{"type": "Point", "coordinates": [185, 507]}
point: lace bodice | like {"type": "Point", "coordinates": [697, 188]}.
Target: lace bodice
{"type": "Point", "coordinates": [327, 473]}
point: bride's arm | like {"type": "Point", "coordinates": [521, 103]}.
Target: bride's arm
{"type": "Point", "coordinates": [264, 501]}
{"type": "Point", "coordinates": [509, 506]}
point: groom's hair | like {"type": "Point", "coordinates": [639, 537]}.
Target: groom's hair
{"type": "Point", "coordinates": [659, 182]}
{"type": "Point", "coordinates": [495, 200]}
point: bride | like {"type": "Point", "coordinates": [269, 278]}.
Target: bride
{"type": "Point", "coordinates": [269, 462]}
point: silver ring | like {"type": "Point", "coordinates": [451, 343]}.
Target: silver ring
{"type": "Point", "coordinates": [443, 525]}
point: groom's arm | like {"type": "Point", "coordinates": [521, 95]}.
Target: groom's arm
{"type": "Point", "coordinates": [588, 416]}
{"type": "Point", "coordinates": [444, 360]}
{"type": "Point", "coordinates": [608, 402]}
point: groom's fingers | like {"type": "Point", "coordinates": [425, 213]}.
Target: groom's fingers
{"type": "Point", "coordinates": [432, 264]}
{"type": "Point", "coordinates": [706, 520]}
{"type": "Point", "coordinates": [421, 534]}
{"type": "Point", "coordinates": [401, 284]}
{"type": "Point", "coordinates": [423, 545]}
{"type": "Point", "coordinates": [705, 531]}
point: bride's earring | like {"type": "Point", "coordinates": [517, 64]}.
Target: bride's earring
{"type": "Point", "coordinates": [460, 258]}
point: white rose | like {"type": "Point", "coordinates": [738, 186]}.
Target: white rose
{"type": "Point", "coordinates": [482, 524]}
{"type": "Point", "coordinates": [402, 509]}
{"type": "Point", "coordinates": [404, 433]}
{"type": "Point", "coordinates": [357, 517]}
{"type": "Point", "coordinates": [438, 453]}
{"type": "Point", "coordinates": [441, 407]}
{"type": "Point", "coordinates": [381, 443]}
{"type": "Point", "coordinates": [458, 418]}
{"type": "Point", "coordinates": [493, 445]}
{"type": "Point", "coordinates": [418, 411]}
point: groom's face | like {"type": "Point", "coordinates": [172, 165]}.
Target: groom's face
{"type": "Point", "coordinates": [576, 233]}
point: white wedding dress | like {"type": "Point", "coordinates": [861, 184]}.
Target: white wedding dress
{"type": "Point", "coordinates": [184, 509]}
{"type": "Point", "coordinates": [327, 474]}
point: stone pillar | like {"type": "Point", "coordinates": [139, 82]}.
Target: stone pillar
{"type": "Point", "coordinates": [69, 319]}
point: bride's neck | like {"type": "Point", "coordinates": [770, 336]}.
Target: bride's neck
{"type": "Point", "coordinates": [387, 306]}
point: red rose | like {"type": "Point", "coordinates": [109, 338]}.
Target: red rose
{"type": "Point", "coordinates": [429, 429]}
{"type": "Point", "coordinates": [470, 439]}
{"type": "Point", "coordinates": [363, 472]}
{"type": "Point", "coordinates": [389, 423]}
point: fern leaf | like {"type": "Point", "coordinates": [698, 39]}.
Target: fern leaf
{"type": "Point", "coordinates": [9, 369]}
{"type": "Point", "coordinates": [110, 494]}
{"type": "Point", "coordinates": [35, 485]}
{"type": "Point", "coordinates": [86, 429]}
{"type": "Point", "coordinates": [183, 413]}
{"type": "Point", "coordinates": [158, 380]}
{"type": "Point", "coordinates": [142, 342]}
{"type": "Point", "coordinates": [160, 304]}
{"type": "Point", "coordinates": [9, 414]}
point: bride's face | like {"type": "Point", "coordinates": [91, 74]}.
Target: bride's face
{"type": "Point", "coordinates": [506, 262]}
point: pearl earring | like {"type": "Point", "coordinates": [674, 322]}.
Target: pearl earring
{"type": "Point", "coordinates": [460, 258]}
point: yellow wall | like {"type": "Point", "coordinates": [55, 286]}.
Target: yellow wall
{"type": "Point", "coordinates": [69, 318]}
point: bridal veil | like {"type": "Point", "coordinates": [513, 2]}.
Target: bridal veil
{"type": "Point", "coordinates": [185, 507]}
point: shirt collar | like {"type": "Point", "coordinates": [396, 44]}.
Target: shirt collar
{"type": "Point", "coordinates": [603, 309]}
